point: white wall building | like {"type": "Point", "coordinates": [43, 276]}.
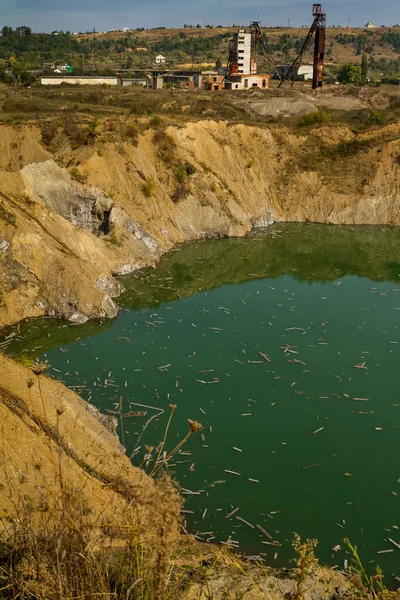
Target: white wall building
{"type": "Point", "coordinates": [245, 82]}
{"type": "Point", "coordinates": [242, 41]}
{"type": "Point", "coordinates": [132, 82]}
{"type": "Point", "coordinates": [244, 51]}
{"type": "Point", "coordinates": [79, 80]}
{"type": "Point", "coordinates": [160, 60]}
{"type": "Point", "coordinates": [305, 72]}
{"type": "Point", "coordinates": [370, 25]}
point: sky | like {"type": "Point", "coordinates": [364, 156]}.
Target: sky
{"type": "Point", "coordinates": [83, 15]}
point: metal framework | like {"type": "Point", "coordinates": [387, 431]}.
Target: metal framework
{"type": "Point", "coordinates": [257, 37]}
{"type": "Point", "coordinates": [319, 28]}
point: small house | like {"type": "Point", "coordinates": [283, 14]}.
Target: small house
{"type": "Point", "coordinates": [160, 60]}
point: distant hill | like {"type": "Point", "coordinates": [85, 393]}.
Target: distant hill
{"type": "Point", "coordinates": [194, 47]}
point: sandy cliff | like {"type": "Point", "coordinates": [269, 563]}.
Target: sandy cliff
{"type": "Point", "coordinates": [70, 219]}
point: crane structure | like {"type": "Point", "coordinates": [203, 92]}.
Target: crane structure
{"type": "Point", "coordinates": [319, 28]}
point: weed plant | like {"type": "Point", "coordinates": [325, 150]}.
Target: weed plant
{"type": "Point", "coordinates": [148, 187]}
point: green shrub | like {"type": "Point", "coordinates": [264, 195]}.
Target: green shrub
{"type": "Point", "coordinates": [148, 187]}
{"type": "Point", "coordinates": [376, 118]}
{"type": "Point", "coordinates": [93, 125]}
{"type": "Point", "coordinates": [190, 169]}
{"type": "Point", "coordinates": [155, 122]}
{"type": "Point", "coordinates": [348, 148]}
{"type": "Point", "coordinates": [166, 147]}
{"type": "Point", "coordinates": [315, 117]}
{"type": "Point", "coordinates": [7, 217]}
{"type": "Point", "coordinates": [77, 175]}
{"type": "Point", "coordinates": [180, 173]}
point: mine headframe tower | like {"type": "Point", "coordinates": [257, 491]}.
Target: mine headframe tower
{"type": "Point", "coordinates": [319, 28]}
{"type": "Point", "coordinates": [257, 39]}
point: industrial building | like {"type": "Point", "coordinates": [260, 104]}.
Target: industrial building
{"type": "Point", "coordinates": [243, 44]}
{"type": "Point", "coordinates": [212, 80]}
{"type": "Point", "coordinates": [241, 72]}
{"type": "Point", "coordinates": [180, 79]}
{"type": "Point", "coordinates": [134, 81]}
{"type": "Point", "coordinates": [304, 73]}
{"type": "Point", "coordinates": [244, 82]}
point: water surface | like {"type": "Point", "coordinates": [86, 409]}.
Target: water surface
{"type": "Point", "coordinates": [307, 442]}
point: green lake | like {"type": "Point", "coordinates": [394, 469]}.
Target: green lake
{"type": "Point", "coordinates": [307, 442]}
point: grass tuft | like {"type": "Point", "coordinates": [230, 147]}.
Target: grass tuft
{"type": "Point", "coordinates": [148, 187]}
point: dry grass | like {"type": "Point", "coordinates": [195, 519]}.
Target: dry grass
{"type": "Point", "coordinates": [57, 548]}
{"type": "Point", "coordinates": [54, 544]}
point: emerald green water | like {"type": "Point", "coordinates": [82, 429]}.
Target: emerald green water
{"type": "Point", "coordinates": [313, 435]}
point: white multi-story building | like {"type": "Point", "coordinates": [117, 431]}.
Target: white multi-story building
{"type": "Point", "coordinates": [242, 41]}
{"type": "Point", "coordinates": [243, 68]}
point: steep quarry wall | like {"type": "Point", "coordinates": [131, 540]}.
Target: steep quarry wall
{"type": "Point", "coordinates": [60, 443]}
{"type": "Point", "coordinates": [71, 219]}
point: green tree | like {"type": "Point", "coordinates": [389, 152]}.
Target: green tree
{"type": "Point", "coordinates": [349, 74]}
{"type": "Point", "coordinates": [364, 67]}
{"type": "Point", "coordinates": [6, 31]}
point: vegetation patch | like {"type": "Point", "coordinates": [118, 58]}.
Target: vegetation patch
{"type": "Point", "coordinates": [165, 146]}
{"type": "Point", "coordinates": [181, 192]}
{"type": "Point", "coordinates": [377, 118]}
{"type": "Point", "coordinates": [132, 133]}
{"type": "Point", "coordinates": [346, 148]}
{"type": "Point", "coordinates": [148, 187]}
{"type": "Point", "coordinates": [180, 173]}
{"type": "Point", "coordinates": [77, 175]}
{"type": "Point", "coordinates": [7, 217]}
{"type": "Point", "coordinates": [314, 118]}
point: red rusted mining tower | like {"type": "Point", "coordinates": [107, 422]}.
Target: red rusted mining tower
{"type": "Point", "coordinates": [319, 48]}
{"type": "Point", "coordinates": [319, 28]}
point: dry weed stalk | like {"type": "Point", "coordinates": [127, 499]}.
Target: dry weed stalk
{"type": "Point", "coordinates": [366, 586]}
{"type": "Point", "coordinates": [305, 561]}
{"type": "Point", "coordinates": [194, 426]}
